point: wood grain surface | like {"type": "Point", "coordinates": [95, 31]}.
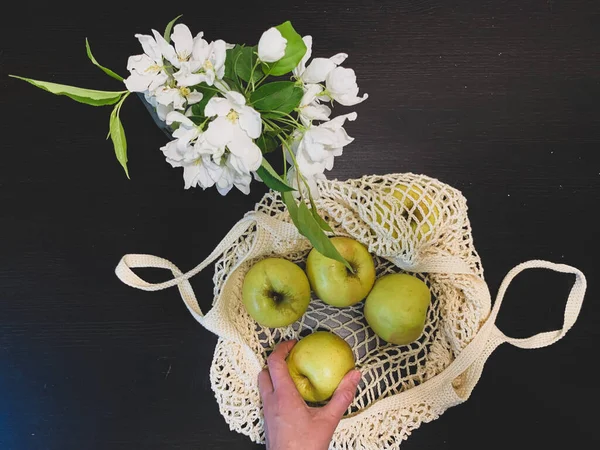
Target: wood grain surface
{"type": "Point", "coordinates": [500, 99]}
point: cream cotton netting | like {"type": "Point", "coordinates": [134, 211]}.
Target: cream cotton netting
{"type": "Point", "coordinates": [410, 223]}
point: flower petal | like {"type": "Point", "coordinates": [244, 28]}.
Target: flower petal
{"type": "Point", "coordinates": [183, 40]}
{"type": "Point", "coordinates": [302, 64]}
{"type": "Point", "coordinates": [219, 132]}
{"type": "Point", "coordinates": [310, 93]}
{"type": "Point", "coordinates": [350, 99]}
{"type": "Point", "coordinates": [225, 181]}
{"type": "Point", "coordinates": [204, 178]}
{"type": "Point", "coordinates": [150, 47]}
{"type": "Point", "coordinates": [185, 78]}
{"type": "Point", "coordinates": [166, 49]}
{"type": "Point", "coordinates": [176, 116]}
{"type": "Point", "coordinates": [158, 80]}
{"type": "Point", "coordinates": [235, 98]}
{"type": "Point", "coordinates": [217, 106]}
{"type": "Point", "coordinates": [139, 63]}
{"type": "Point", "coordinates": [242, 182]}
{"type": "Point", "coordinates": [247, 153]}
{"type": "Point", "coordinates": [162, 111]}
{"type": "Point", "coordinates": [315, 112]}
{"type": "Point", "coordinates": [201, 49]}
{"type": "Point", "coordinates": [337, 122]}
{"type": "Point", "coordinates": [317, 70]}
{"type": "Point", "coordinates": [250, 121]}
{"type": "Point", "coordinates": [194, 97]}
{"type": "Point", "coordinates": [217, 56]}
{"type": "Point", "coordinates": [137, 83]}
{"type": "Point", "coordinates": [339, 58]}
{"type": "Point", "coordinates": [171, 153]}
{"type": "Point", "coordinates": [190, 175]}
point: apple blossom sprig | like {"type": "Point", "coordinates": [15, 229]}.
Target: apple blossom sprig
{"type": "Point", "coordinates": [227, 107]}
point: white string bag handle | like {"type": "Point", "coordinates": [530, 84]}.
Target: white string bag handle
{"type": "Point", "coordinates": [440, 391]}
{"type": "Point", "coordinates": [181, 280]}
{"type": "Point", "coordinates": [476, 353]}
{"type": "Point", "coordinates": [572, 307]}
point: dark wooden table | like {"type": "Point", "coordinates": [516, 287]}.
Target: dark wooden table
{"type": "Point", "coordinates": [500, 99]}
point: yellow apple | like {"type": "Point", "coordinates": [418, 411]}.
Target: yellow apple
{"type": "Point", "coordinates": [412, 198]}
{"type": "Point", "coordinates": [275, 292]}
{"type": "Point", "coordinates": [396, 308]}
{"type": "Point", "coordinates": [317, 364]}
{"type": "Point", "coordinates": [425, 211]}
{"type": "Point", "coordinates": [333, 282]}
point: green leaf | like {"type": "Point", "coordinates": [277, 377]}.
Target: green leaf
{"type": "Point", "coordinates": [313, 209]}
{"type": "Point", "coordinates": [107, 71]}
{"type": "Point", "coordinates": [169, 28]}
{"type": "Point", "coordinates": [278, 98]}
{"type": "Point", "coordinates": [117, 134]}
{"type": "Point", "coordinates": [294, 51]}
{"type": "Point", "coordinates": [246, 60]}
{"type": "Point", "coordinates": [198, 120]}
{"type": "Point", "coordinates": [231, 56]}
{"type": "Point", "coordinates": [271, 178]}
{"type": "Point", "coordinates": [308, 226]}
{"type": "Point", "coordinates": [87, 96]}
{"type": "Point", "coordinates": [292, 207]}
{"type": "Point", "coordinates": [267, 142]}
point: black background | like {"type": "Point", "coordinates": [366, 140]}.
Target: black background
{"type": "Point", "coordinates": [499, 99]}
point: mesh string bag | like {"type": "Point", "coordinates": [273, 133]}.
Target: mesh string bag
{"type": "Point", "coordinates": [410, 224]}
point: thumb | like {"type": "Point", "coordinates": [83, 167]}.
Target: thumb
{"type": "Point", "coordinates": [343, 395]}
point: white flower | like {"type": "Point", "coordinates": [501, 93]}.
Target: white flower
{"type": "Point", "coordinates": [224, 135]}
{"type": "Point", "coordinates": [230, 136]}
{"type": "Point", "coordinates": [310, 109]}
{"type": "Point", "coordinates": [177, 97]}
{"type": "Point", "coordinates": [211, 58]}
{"type": "Point", "coordinates": [317, 147]}
{"type": "Point", "coordinates": [186, 151]}
{"type": "Point", "coordinates": [230, 177]}
{"type": "Point", "coordinates": [233, 107]}
{"type": "Point", "coordinates": [162, 111]}
{"type": "Point", "coordinates": [180, 53]}
{"type": "Point", "coordinates": [301, 67]}
{"type": "Point", "coordinates": [197, 61]}
{"type": "Point", "coordinates": [187, 132]}
{"type": "Point", "coordinates": [341, 87]}
{"type": "Point", "coordinates": [271, 46]}
{"type": "Point", "coordinates": [319, 68]}
{"type": "Point", "coordinates": [225, 154]}
{"type": "Point", "coordinates": [147, 70]}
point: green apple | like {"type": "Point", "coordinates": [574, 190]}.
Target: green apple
{"type": "Point", "coordinates": [425, 211]}
{"type": "Point", "coordinates": [275, 292]}
{"type": "Point", "coordinates": [317, 364]}
{"type": "Point", "coordinates": [333, 282]}
{"type": "Point", "coordinates": [424, 216]}
{"type": "Point", "coordinates": [396, 308]}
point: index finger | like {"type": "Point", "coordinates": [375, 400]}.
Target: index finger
{"type": "Point", "coordinates": [280, 375]}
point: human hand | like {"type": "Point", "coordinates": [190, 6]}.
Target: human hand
{"type": "Point", "coordinates": [290, 424]}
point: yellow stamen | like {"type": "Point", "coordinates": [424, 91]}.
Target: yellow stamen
{"type": "Point", "coordinates": [153, 68]}
{"type": "Point", "coordinates": [233, 116]}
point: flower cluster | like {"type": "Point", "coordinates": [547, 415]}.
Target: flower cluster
{"type": "Point", "coordinates": [221, 152]}
{"type": "Point", "coordinates": [215, 141]}
{"type": "Point", "coordinates": [227, 107]}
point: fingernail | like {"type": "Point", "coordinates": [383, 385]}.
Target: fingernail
{"type": "Point", "coordinates": [356, 375]}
